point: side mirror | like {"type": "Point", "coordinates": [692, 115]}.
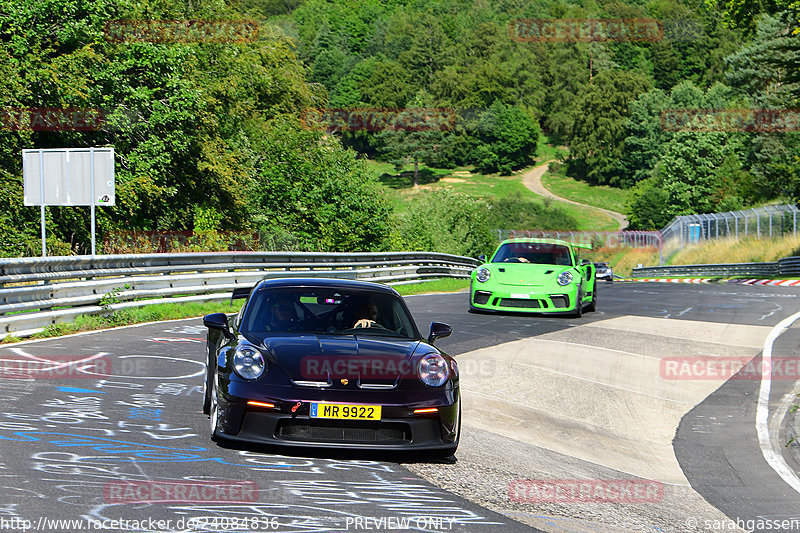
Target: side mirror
{"type": "Point", "coordinates": [218, 321]}
{"type": "Point", "coordinates": [585, 262]}
{"type": "Point", "coordinates": [482, 258]}
{"type": "Point", "coordinates": [438, 331]}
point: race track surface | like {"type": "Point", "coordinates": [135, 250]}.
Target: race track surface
{"type": "Point", "coordinates": [545, 399]}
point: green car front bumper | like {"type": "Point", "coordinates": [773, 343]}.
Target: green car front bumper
{"type": "Point", "coordinates": [515, 298]}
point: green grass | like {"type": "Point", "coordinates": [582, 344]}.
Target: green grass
{"type": "Point", "coordinates": [588, 219]}
{"type": "Point", "coordinates": [168, 311]}
{"type": "Point", "coordinates": [439, 285]}
{"type": "Point", "coordinates": [545, 151]}
{"type": "Point", "coordinates": [602, 196]}
{"type": "Point", "coordinates": [134, 315]}
{"type": "Point", "coordinates": [400, 190]}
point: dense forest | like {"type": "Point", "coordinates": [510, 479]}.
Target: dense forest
{"type": "Point", "coordinates": [210, 136]}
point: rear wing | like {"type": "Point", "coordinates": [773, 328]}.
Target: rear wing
{"type": "Point", "coordinates": [581, 245]}
{"type": "Point", "coordinates": [240, 293]}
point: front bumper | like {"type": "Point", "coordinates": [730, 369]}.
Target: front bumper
{"type": "Point", "coordinates": [523, 299]}
{"type": "Point", "coordinates": [398, 429]}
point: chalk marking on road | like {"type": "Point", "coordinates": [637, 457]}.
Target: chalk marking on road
{"type": "Point", "coordinates": [775, 459]}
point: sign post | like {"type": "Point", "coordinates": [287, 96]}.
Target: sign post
{"type": "Point", "coordinates": [68, 177]}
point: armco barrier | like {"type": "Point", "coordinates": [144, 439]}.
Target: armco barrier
{"type": "Point", "coordinates": [786, 267]}
{"type": "Point", "coordinates": [30, 287]}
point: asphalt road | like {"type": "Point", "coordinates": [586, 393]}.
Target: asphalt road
{"type": "Point", "coordinates": [87, 448]}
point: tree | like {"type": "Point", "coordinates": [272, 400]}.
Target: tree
{"type": "Point", "coordinates": [317, 193]}
{"type": "Point", "coordinates": [403, 147]}
{"type": "Point", "coordinates": [599, 126]}
{"type": "Point", "coordinates": [509, 138]}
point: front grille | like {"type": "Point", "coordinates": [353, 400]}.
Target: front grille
{"type": "Point", "coordinates": [481, 297]}
{"type": "Point", "coordinates": [344, 431]}
{"type": "Point", "coordinates": [519, 302]}
{"type": "Point", "coordinates": [560, 302]}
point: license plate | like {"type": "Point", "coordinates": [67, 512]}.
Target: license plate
{"type": "Point", "coordinates": [525, 296]}
{"type": "Point", "coordinates": [343, 411]}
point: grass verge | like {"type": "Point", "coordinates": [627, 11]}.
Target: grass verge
{"type": "Point", "coordinates": [742, 251]}
{"type": "Point", "coordinates": [439, 285]}
{"type": "Point", "coordinates": [170, 311]}
{"type": "Point", "coordinates": [602, 196]}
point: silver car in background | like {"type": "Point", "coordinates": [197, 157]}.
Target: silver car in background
{"type": "Point", "coordinates": [604, 271]}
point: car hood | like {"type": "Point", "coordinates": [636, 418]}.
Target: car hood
{"type": "Point", "coordinates": [331, 358]}
{"type": "Point", "coordinates": [526, 274]}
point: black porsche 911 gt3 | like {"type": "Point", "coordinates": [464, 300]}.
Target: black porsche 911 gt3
{"type": "Point", "coordinates": [331, 363]}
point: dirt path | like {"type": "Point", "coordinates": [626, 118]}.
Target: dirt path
{"type": "Point", "coordinates": [533, 181]}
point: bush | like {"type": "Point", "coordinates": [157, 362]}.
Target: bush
{"type": "Point", "coordinates": [515, 212]}
{"type": "Point", "coordinates": [509, 137]}
{"type": "Point", "coordinates": [312, 189]}
{"type": "Point", "coordinates": [445, 222]}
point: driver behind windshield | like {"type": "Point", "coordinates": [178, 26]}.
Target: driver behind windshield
{"type": "Point", "coordinates": [282, 313]}
{"type": "Point", "coordinates": [369, 313]}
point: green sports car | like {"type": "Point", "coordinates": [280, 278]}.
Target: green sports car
{"type": "Point", "coordinates": [534, 275]}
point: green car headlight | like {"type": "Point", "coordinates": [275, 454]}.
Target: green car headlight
{"type": "Point", "coordinates": [483, 274]}
{"type": "Point", "coordinates": [565, 278]}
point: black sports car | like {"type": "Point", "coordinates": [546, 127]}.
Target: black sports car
{"type": "Point", "coordinates": [332, 363]}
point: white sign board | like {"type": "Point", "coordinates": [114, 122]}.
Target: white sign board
{"type": "Point", "coordinates": [70, 176]}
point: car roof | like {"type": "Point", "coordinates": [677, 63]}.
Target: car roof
{"type": "Point", "coordinates": [533, 240]}
{"type": "Point", "coordinates": [334, 283]}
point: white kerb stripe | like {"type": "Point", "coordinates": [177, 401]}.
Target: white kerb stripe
{"type": "Point", "coordinates": [774, 459]}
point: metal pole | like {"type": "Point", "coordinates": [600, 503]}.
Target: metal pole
{"type": "Point", "coordinates": [41, 195]}
{"type": "Point", "coordinates": [770, 223]}
{"type": "Point", "coordinates": [91, 185]}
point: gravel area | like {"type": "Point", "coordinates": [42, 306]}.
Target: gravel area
{"type": "Point", "coordinates": [488, 465]}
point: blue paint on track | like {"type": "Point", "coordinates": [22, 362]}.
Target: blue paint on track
{"type": "Point", "coordinates": [75, 389]}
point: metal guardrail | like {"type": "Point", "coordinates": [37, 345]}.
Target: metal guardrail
{"type": "Point", "coordinates": [31, 287]}
{"type": "Point", "coordinates": [786, 267]}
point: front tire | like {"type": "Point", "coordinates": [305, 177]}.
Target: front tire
{"type": "Point", "coordinates": [214, 411]}
{"type": "Point", "coordinates": [578, 306]}
{"type": "Point", "coordinates": [451, 450]}
{"type": "Point", "coordinates": [207, 385]}
{"type": "Point", "coordinates": [593, 304]}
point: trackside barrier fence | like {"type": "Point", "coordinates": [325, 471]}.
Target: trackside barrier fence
{"type": "Point", "coordinates": [31, 288]}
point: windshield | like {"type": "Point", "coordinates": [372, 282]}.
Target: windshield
{"type": "Point", "coordinates": [330, 311]}
{"type": "Point", "coordinates": [533, 252]}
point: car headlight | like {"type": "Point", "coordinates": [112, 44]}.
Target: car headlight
{"type": "Point", "coordinates": [433, 370]}
{"type": "Point", "coordinates": [483, 274]}
{"type": "Point", "coordinates": [248, 362]}
{"type": "Point", "coordinates": [565, 278]}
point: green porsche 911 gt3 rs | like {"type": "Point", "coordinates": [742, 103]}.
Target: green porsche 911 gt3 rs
{"type": "Point", "coordinates": [534, 275]}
